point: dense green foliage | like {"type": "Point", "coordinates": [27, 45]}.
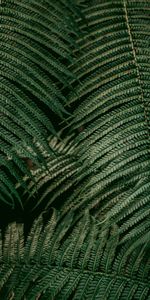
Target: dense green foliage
{"type": "Point", "coordinates": [75, 141]}
{"type": "Point", "coordinates": [73, 261]}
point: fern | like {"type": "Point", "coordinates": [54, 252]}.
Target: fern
{"type": "Point", "coordinates": [37, 42]}
{"type": "Point", "coordinates": [64, 260]}
{"type": "Point", "coordinates": [75, 104]}
{"type": "Point", "coordinates": [51, 185]}
{"type": "Point", "coordinates": [101, 169]}
{"type": "Point", "coordinates": [112, 106]}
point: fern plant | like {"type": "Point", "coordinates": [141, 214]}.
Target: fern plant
{"type": "Point", "coordinates": [113, 107]}
{"type": "Point", "coordinates": [75, 139]}
{"type": "Point", "coordinates": [70, 260]}
{"type": "Point", "coordinates": [37, 42]}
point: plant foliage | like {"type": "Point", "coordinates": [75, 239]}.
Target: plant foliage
{"type": "Point", "coordinates": [37, 42]}
{"type": "Point", "coordinates": [71, 261]}
{"type": "Point", "coordinates": [111, 151]}
{"type": "Point", "coordinates": [75, 138]}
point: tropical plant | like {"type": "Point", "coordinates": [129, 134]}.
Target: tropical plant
{"type": "Point", "coordinates": [75, 145]}
{"type": "Point", "coordinates": [68, 260]}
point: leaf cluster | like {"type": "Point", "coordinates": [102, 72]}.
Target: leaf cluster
{"type": "Point", "coordinates": [75, 141]}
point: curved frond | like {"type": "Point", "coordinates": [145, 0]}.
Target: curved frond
{"type": "Point", "coordinates": [52, 187]}
{"type": "Point", "coordinates": [65, 259]}
{"type": "Point", "coordinates": [112, 107]}
{"type": "Point", "coordinates": [37, 42]}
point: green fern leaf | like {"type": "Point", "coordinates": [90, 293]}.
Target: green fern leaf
{"type": "Point", "coordinates": [37, 43]}
{"type": "Point", "coordinates": [37, 269]}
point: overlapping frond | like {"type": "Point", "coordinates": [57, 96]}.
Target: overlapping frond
{"type": "Point", "coordinates": [112, 103]}
{"type": "Point", "coordinates": [107, 168]}
{"type": "Point", "coordinates": [37, 42]}
{"type": "Point", "coordinates": [64, 260]}
{"type": "Point", "coordinates": [98, 245]}
{"type": "Point", "coordinates": [53, 187]}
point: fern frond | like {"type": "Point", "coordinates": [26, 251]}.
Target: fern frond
{"type": "Point", "coordinates": [92, 56]}
{"type": "Point", "coordinates": [37, 42]}
{"type": "Point", "coordinates": [112, 107]}
{"type": "Point", "coordinates": [61, 262]}
{"type": "Point", "coordinates": [52, 187]}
